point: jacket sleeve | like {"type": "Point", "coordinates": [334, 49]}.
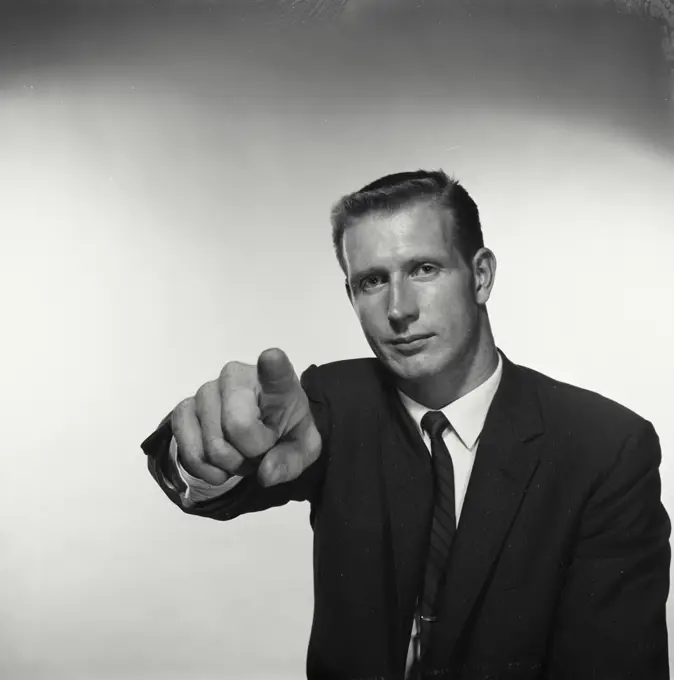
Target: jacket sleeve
{"type": "Point", "coordinates": [248, 495]}
{"type": "Point", "coordinates": [610, 624]}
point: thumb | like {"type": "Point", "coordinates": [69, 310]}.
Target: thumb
{"type": "Point", "coordinates": [275, 373]}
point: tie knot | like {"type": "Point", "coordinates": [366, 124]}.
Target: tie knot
{"type": "Point", "coordinates": [435, 423]}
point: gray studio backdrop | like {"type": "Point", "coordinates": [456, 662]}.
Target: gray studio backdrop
{"type": "Point", "coordinates": [165, 182]}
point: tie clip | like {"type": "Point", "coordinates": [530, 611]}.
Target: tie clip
{"type": "Point", "coordinates": [429, 619]}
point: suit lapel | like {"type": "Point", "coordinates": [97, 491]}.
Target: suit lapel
{"type": "Point", "coordinates": [504, 464]}
{"type": "Point", "coordinates": [503, 467]}
{"type": "Point", "coordinates": [407, 493]}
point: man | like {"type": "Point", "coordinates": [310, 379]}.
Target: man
{"type": "Point", "coordinates": [559, 565]}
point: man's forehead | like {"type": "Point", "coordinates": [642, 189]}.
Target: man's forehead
{"type": "Point", "coordinates": [419, 227]}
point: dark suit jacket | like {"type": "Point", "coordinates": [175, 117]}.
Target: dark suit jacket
{"type": "Point", "coordinates": [560, 566]}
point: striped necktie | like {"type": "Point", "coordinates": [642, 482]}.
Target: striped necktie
{"type": "Point", "coordinates": [442, 531]}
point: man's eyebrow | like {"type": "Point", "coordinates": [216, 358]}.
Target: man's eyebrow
{"type": "Point", "coordinates": [428, 259]}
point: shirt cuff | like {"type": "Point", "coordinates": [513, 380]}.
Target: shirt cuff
{"type": "Point", "coordinates": [197, 490]}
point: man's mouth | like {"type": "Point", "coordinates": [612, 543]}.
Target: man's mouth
{"type": "Point", "coordinates": [410, 342]}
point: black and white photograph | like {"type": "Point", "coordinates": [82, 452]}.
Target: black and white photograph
{"type": "Point", "coordinates": [338, 339]}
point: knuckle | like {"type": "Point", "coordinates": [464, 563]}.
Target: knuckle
{"type": "Point", "coordinates": [231, 369]}
{"type": "Point", "coordinates": [185, 407]}
{"type": "Point", "coordinates": [236, 424]}
{"type": "Point", "coordinates": [203, 392]}
{"type": "Point", "coordinates": [205, 395]}
{"type": "Point", "coordinates": [236, 375]}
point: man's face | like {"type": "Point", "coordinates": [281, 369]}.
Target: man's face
{"type": "Point", "coordinates": [407, 281]}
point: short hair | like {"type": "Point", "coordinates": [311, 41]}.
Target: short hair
{"type": "Point", "coordinates": [393, 192]}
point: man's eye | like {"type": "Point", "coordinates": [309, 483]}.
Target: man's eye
{"type": "Point", "coordinates": [426, 268]}
{"type": "Point", "coordinates": [370, 281]}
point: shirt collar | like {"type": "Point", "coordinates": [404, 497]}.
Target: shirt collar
{"type": "Point", "coordinates": [467, 413]}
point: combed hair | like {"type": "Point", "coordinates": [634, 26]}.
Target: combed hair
{"type": "Point", "coordinates": [393, 192]}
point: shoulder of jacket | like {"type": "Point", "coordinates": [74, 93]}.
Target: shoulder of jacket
{"type": "Point", "coordinates": [579, 404]}
{"type": "Point", "coordinates": [346, 374]}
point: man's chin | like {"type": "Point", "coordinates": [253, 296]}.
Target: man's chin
{"type": "Point", "coordinates": [415, 367]}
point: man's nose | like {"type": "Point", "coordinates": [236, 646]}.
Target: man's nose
{"type": "Point", "coordinates": [402, 303]}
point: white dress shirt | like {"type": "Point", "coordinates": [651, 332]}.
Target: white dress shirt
{"type": "Point", "coordinates": [466, 416]}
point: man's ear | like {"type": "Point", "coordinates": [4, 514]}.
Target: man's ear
{"type": "Point", "coordinates": [348, 290]}
{"type": "Point", "coordinates": [484, 274]}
